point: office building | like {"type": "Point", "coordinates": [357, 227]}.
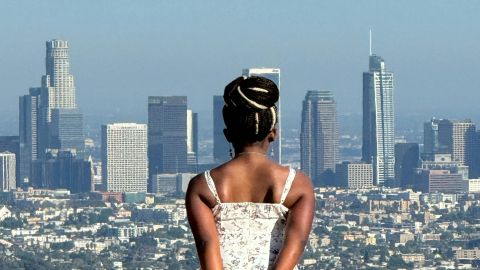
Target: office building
{"type": "Point", "coordinates": [354, 175]}
{"type": "Point", "coordinates": [471, 185]}
{"type": "Point", "coordinates": [124, 157]}
{"type": "Point", "coordinates": [7, 171]}
{"type": "Point", "coordinates": [221, 147]}
{"type": "Point", "coordinates": [57, 91]}
{"type": "Point", "coordinates": [58, 80]}
{"type": "Point", "coordinates": [12, 144]}
{"type": "Point", "coordinates": [171, 182]}
{"type": "Point", "coordinates": [167, 134]}
{"type": "Point", "coordinates": [459, 138]}
{"type": "Point", "coordinates": [62, 170]}
{"type": "Point", "coordinates": [442, 181]}
{"type": "Point", "coordinates": [29, 113]}
{"type": "Point", "coordinates": [445, 162]}
{"type": "Point", "coordinates": [275, 151]}
{"type": "Point", "coordinates": [66, 132]}
{"type": "Point", "coordinates": [192, 139]}
{"type": "Point", "coordinates": [378, 121]}
{"type": "Point", "coordinates": [319, 137]}
{"type": "Point", "coordinates": [406, 161]}
{"type": "Point", "coordinates": [431, 142]}
{"type": "Point", "coordinates": [164, 183]}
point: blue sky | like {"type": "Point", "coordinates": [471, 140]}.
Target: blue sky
{"type": "Point", "coordinates": [122, 51]}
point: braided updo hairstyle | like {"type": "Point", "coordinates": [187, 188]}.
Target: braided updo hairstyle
{"type": "Point", "coordinates": [250, 112]}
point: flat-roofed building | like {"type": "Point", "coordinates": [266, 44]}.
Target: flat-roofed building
{"type": "Point", "coordinates": [124, 157]}
{"type": "Point", "coordinates": [354, 175]}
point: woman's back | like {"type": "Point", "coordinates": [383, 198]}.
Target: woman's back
{"type": "Point", "coordinates": [251, 232]}
{"type": "Point", "coordinates": [238, 215]}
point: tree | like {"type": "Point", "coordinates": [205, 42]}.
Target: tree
{"type": "Point", "coordinates": [11, 223]}
{"type": "Point", "coordinates": [396, 262]}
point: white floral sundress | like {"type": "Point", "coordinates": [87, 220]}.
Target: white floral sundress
{"type": "Point", "coordinates": [251, 234]}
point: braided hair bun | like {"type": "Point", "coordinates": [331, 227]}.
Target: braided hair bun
{"type": "Point", "coordinates": [250, 112]}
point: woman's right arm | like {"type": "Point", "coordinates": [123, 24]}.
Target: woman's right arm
{"type": "Point", "coordinates": [301, 202]}
{"type": "Point", "coordinates": [202, 224]}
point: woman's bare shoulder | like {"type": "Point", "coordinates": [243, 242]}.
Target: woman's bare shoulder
{"type": "Point", "coordinates": [302, 188]}
{"type": "Point", "coordinates": [198, 187]}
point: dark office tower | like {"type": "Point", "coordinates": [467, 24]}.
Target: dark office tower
{"type": "Point", "coordinates": [66, 131]}
{"type": "Point", "coordinates": [406, 161]}
{"type": "Point", "coordinates": [167, 134]}
{"type": "Point", "coordinates": [430, 139]}
{"type": "Point", "coordinates": [220, 145]}
{"type": "Point", "coordinates": [459, 138]}
{"type": "Point", "coordinates": [378, 143]}
{"type": "Point", "coordinates": [12, 144]}
{"type": "Point", "coordinates": [29, 114]}
{"type": "Point", "coordinates": [275, 151]}
{"type": "Point", "coordinates": [319, 137]}
{"type": "Point", "coordinates": [62, 170]}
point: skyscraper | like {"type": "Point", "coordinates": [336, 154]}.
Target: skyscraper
{"type": "Point", "coordinates": [66, 132]}
{"type": "Point", "coordinates": [57, 91]}
{"type": "Point", "coordinates": [192, 138]}
{"type": "Point", "coordinates": [61, 169]}
{"type": "Point", "coordinates": [406, 161]}
{"type": "Point", "coordinates": [167, 134]}
{"type": "Point", "coordinates": [220, 144]}
{"type": "Point", "coordinates": [378, 121]}
{"type": "Point", "coordinates": [7, 171]}
{"type": "Point", "coordinates": [431, 144]}
{"type": "Point", "coordinates": [124, 157]}
{"type": "Point", "coordinates": [319, 137]}
{"type": "Point", "coordinates": [29, 113]}
{"type": "Point", "coordinates": [58, 80]}
{"type": "Point", "coordinates": [12, 144]}
{"type": "Point", "coordinates": [460, 140]}
{"type": "Point", "coordinates": [273, 74]}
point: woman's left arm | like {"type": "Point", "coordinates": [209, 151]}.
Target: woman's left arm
{"type": "Point", "coordinates": [202, 224]}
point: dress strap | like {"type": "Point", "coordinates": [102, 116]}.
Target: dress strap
{"type": "Point", "coordinates": [211, 186]}
{"type": "Point", "coordinates": [288, 185]}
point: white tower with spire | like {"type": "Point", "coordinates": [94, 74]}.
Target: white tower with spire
{"type": "Point", "coordinates": [378, 141]}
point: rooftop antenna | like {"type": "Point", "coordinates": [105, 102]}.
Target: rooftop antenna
{"type": "Point", "coordinates": [370, 42]}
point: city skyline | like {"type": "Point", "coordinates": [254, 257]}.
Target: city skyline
{"type": "Point", "coordinates": [310, 50]}
{"type": "Point", "coordinates": [107, 120]}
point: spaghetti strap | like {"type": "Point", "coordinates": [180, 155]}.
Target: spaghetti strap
{"type": "Point", "coordinates": [211, 186]}
{"type": "Point", "coordinates": [288, 185]}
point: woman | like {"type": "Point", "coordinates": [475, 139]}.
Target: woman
{"type": "Point", "coordinates": [250, 213]}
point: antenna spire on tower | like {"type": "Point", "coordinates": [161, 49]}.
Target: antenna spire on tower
{"type": "Point", "coordinates": [370, 42]}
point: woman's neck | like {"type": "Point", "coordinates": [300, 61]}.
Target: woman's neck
{"type": "Point", "coordinates": [251, 150]}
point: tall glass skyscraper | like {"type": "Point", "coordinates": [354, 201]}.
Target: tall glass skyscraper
{"type": "Point", "coordinates": [167, 134]}
{"type": "Point", "coordinates": [274, 75]}
{"type": "Point", "coordinates": [319, 137]}
{"type": "Point", "coordinates": [378, 142]}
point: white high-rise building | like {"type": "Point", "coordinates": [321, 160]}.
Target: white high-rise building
{"type": "Point", "coordinates": [378, 142]}
{"type": "Point", "coordinates": [7, 171]}
{"type": "Point", "coordinates": [192, 137]}
{"type": "Point", "coordinates": [274, 75]}
{"type": "Point", "coordinates": [124, 157]}
{"type": "Point", "coordinates": [58, 80]}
